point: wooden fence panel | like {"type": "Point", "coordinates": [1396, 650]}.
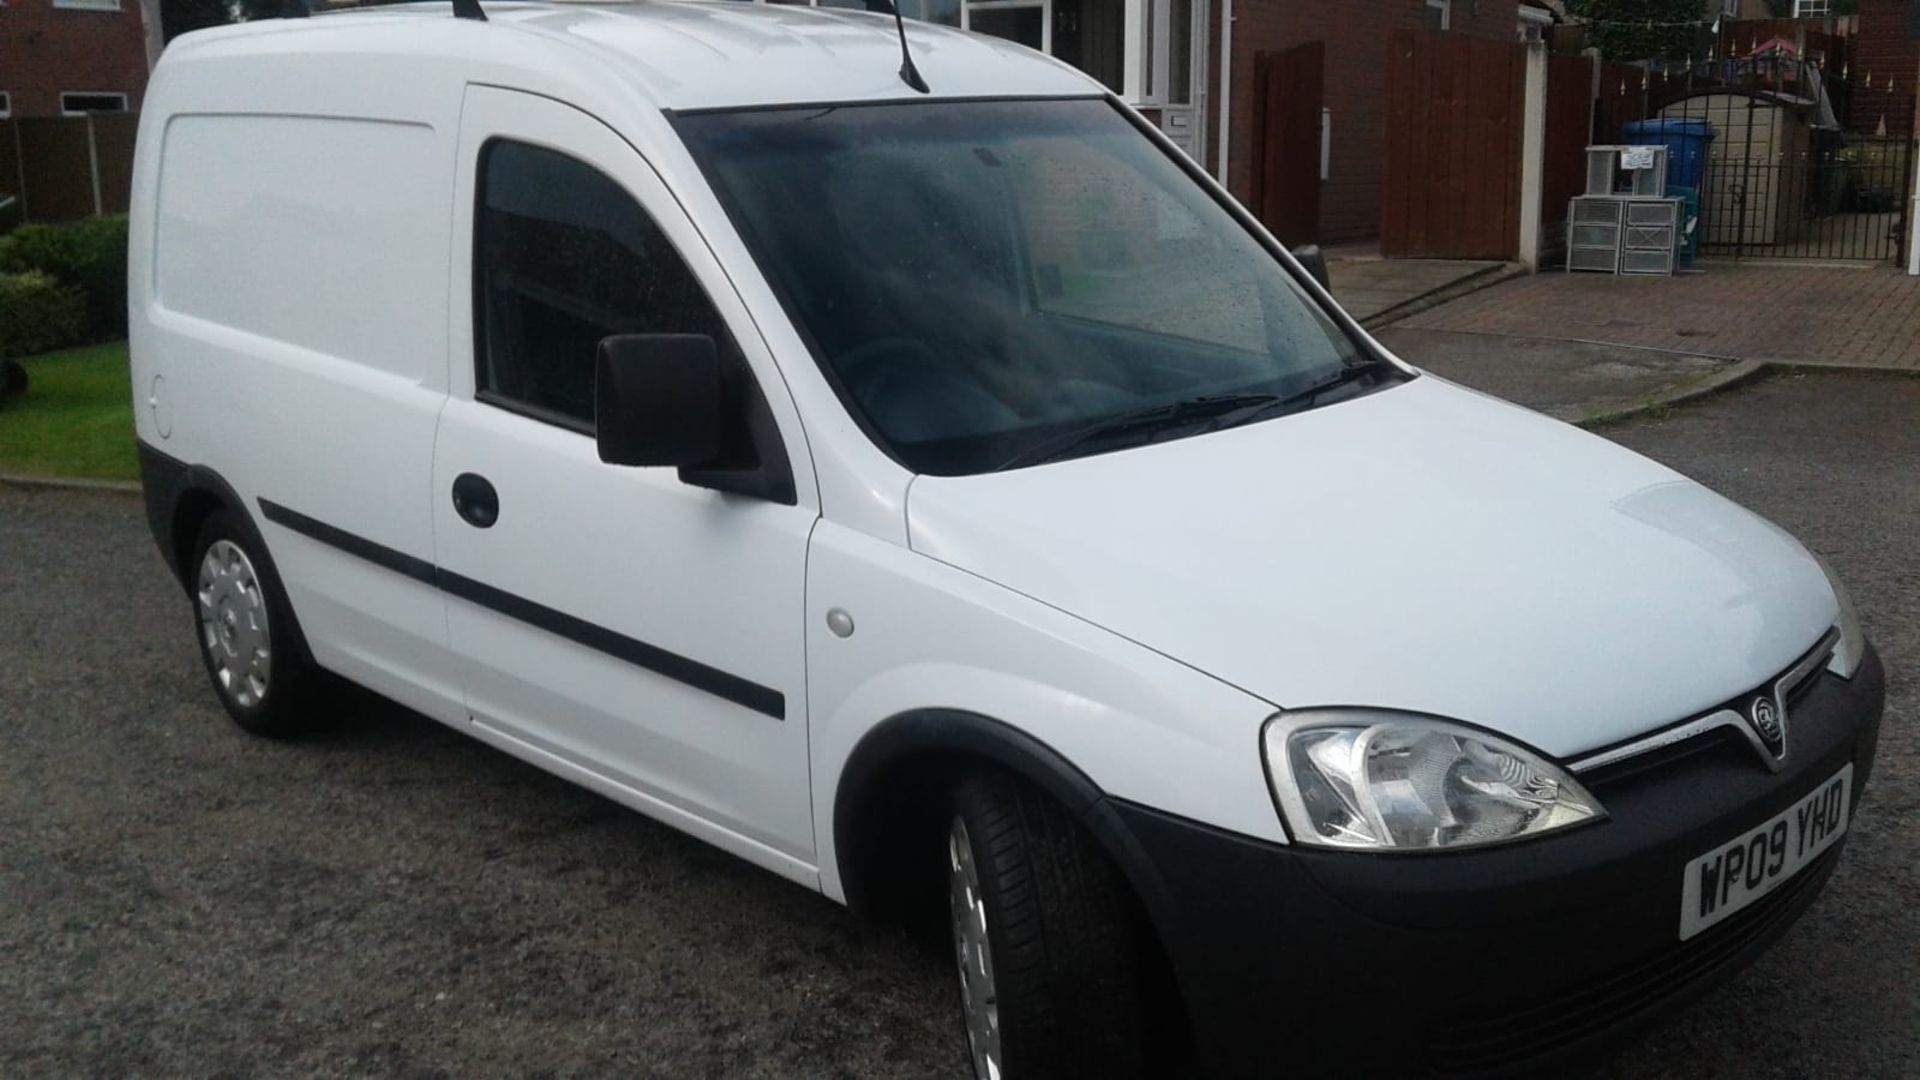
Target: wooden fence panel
{"type": "Point", "coordinates": [1451, 188]}
{"type": "Point", "coordinates": [1569, 120]}
{"type": "Point", "coordinates": [57, 164]}
{"type": "Point", "coordinates": [64, 168]}
{"type": "Point", "coordinates": [113, 135]}
{"type": "Point", "coordinates": [10, 173]}
{"type": "Point", "coordinates": [1289, 90]}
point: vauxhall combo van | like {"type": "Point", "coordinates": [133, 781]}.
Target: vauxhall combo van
{"type": "Point", "coordinates": [876, 451]}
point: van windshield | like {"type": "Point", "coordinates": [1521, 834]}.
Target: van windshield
{"type": "Point", "coordinates": [997, 284]}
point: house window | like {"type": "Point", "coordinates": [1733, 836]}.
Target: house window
{"type": "Point", "coordinates": [6, 104]}
{"type": "Point", "coordinates": [1730, 7]}
{"type": "Point", "coordinates": [80, 103]}
{"type": "Point", "coordinates": [88, 5]}
{"type": "Point", "coordinates": [1808, 9]}
{"type": "Point", "coordinates": [1439, 14]}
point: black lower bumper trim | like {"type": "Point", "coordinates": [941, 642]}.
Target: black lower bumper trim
{"type": "Point", "coordinates": [1501, 961]}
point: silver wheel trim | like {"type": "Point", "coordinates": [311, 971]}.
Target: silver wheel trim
{"type": "Point", "coordinates": [233, 623]}
{"type": "Point", "coordinates": [978, 996]}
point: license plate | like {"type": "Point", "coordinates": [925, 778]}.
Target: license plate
{"type": "Point", "coordinates": [1753, 864]}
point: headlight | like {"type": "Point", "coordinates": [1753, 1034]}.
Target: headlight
{"type": "Point", "coordinates": [1852, 647]}
{"type": "Point", "coordinates": [1381, 781]}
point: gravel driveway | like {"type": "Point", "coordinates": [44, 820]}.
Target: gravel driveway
{"type": "Point", "coordinates": [179, 899]}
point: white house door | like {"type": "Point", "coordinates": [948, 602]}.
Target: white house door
{"type": "Point", "coordinates": [1176, 36]}
{"type": "Point", "coordinates": [622, 628]}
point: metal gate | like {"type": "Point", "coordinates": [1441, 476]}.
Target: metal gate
{"type": "Point", "coordinates": [1790, 172]}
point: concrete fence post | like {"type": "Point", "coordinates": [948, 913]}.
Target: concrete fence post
{"type": "Point", "coordinates": [1533, 154]}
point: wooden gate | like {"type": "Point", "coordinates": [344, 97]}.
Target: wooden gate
{"type": "Point", "coordinates": [1289, 90]}
{"type": "Point", "coordinates": [1451, 188]}
{"type": "Point", "coordinates": [1568, 132]}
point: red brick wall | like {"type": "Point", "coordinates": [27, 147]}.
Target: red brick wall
{"type": "Point", "coordinates": [45, 50]}
{"type": "Point", "coordinates": [1356, 33]}
{"type": "Point", "coordinates": [1881, 50]}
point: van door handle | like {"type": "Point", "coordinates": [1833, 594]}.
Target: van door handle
{"type": "Point", "coordinates": [475, 500]}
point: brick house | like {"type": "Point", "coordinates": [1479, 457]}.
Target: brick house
{"type": "Point", "coordinates": [70, 57]}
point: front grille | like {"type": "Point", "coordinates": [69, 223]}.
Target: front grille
{"type": "Point", "coordinates": [1706, 732]}
{"type": "Point", "coordinates": [1485, 1043]}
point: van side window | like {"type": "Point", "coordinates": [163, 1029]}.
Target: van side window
{"type": "Point", "coordinates": [563, 257]}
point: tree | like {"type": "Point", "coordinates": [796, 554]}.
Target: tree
{"type": "Point", "coordinates": [1626, 30]}
{"type": "Point", "coordinates": [179, 16]}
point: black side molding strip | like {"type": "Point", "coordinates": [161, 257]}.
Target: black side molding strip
{"type": "Point", "coordinates": [721, 684]}
{"type": "Point", "coordinates": [358, 546]}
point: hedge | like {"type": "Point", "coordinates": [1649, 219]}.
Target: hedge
{"type": "Point", "coordinates": [90, 255]}
{"type": "Point", "coordinates": [38, 314]}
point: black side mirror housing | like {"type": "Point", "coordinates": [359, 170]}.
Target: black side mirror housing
{"type": "Point", "coordinates": [660, 399]}
{"type": "Point", "coordinates": [1314, 261]}
{"type": "Point", "coordinates": [673, 400]}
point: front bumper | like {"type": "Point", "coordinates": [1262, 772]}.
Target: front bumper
{"type": "Point", "coordinates": [1335, 963]}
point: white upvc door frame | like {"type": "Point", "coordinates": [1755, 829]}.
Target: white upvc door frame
{"type": "Point", "coordinates": [1149, 63]}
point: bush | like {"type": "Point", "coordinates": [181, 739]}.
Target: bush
{"type": "Point", "coordinates": [38, 314]}
{"type": "Point", "coordinates": [90, 255]}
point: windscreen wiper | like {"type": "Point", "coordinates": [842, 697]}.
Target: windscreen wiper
{"type": "Point", "coordinates": [1141, 423]}
{"type": "Point", "coordinates": [1358, 369]}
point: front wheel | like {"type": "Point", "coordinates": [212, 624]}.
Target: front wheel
{"type": "Point", "coordinates": [1045, 938]}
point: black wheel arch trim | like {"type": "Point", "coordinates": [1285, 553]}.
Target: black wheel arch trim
{"type": "Point", "coordinates": [969, 734]}
{"type": "Point", "coordinates": [166, 483]}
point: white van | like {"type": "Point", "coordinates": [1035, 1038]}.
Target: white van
{"type": "Point", "coordinates": [952, 501]}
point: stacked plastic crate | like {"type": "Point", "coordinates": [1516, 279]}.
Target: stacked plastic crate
{"type": "Point", "coordinates": [1628, 227]}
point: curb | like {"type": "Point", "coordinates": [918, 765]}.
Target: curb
{"type": "Point", "coordinates": [68, 483]}
{"type": "Point", "coordinates": [1483, 278]}
{"type": "Point", "coordinates": [1740, 374]}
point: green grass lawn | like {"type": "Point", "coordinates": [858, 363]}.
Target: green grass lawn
{"type": "Point", "coordinates": [76, 418]}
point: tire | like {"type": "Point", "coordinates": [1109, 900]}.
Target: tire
{"type": "Point", "coordinates": [1060, 992]}
{"type": "Point", "coordinates": [13, 379]}
{"type": "Point", "coordinates": [249, 642]}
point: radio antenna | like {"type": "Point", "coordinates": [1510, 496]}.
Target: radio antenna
{"type": "Point", "coordinates": [908, 73]}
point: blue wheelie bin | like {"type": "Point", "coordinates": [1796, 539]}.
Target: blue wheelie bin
{"type": "Point", "coordinates": [1686, 142]}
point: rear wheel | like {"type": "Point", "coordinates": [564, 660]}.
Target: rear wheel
{"type": "Point", "coordinates": [246, 633]}
{"type": "Point", "coordinates": [13, 379]}
{"type": "Point", "coordinates": [1044, 936]}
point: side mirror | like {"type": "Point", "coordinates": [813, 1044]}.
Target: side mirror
{"type": "Point", "coordinates": [660, 399]}
{"type": "Point", "coordinates": [1314, 261]}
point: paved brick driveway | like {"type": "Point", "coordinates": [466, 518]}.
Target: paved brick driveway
{"type": "Point", "coordinates": [1819, 315]}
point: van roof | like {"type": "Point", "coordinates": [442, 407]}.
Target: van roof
{"type": "Point", "coordinates": [700, 54]}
